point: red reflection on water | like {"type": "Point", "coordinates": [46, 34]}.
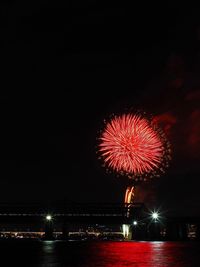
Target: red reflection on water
{"type": "Point", "coordinates": [140, 254]}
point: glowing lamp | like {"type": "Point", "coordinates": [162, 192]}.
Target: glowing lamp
{"type": "Point", "coordinates": [155, 215]}
{"type": "Point", "coordinates": [48, 217]}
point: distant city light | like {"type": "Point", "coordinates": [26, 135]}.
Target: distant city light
{"type": "Point", "coordinates": [49, 217]}
{"type": "Point", "coordinates": [135, 223]}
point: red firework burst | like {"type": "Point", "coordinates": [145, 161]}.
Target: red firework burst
{"type": "Point", "coordinates": [131, 145]}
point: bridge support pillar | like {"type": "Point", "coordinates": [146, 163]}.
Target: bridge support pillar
{"type": "Point", "coordinates": [183, 231]}
{"type": "Point", "coordinates": [130, 234]}
{"type": "Point", "coordinates": [176, 231]}
{"type": "Point", "coordinates": [49, 230]}
{"type": "Point", "coordinates": [198, 232]}
{"type": "Point", "coordinates": [139, 232]}
{"type": "Point", "coordinates": [65, 230]}
{"type": "Point", "coordinates": [172, 231]}
{"type": "Point", "coordinates": [154, 231]}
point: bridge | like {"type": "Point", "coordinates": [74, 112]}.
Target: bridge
{"type": "Point", "coordinates": [87, 212]}
{"type": "Point", "coordinates": [34, 218]}
{"type": "Point", "coordinates": [20, 217]}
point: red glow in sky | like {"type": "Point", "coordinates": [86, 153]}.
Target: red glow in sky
{"type": "Point", "coordinates": [131, 145]}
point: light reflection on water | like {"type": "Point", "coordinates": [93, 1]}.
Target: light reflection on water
{"type": "Point", "coordinates": [99, 254]}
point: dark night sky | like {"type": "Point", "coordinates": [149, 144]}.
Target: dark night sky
{"type": "Point", "coordinates": [66, 67]}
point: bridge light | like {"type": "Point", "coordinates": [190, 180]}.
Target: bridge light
{"type": "Point", "coordinates": [155, 215]}
{"type": "Point", "coordinates": [135, 223]}
{"type": "Point", "coordinates": [48, 217]}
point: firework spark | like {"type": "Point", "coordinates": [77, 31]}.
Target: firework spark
{"type": "Point", "coordinates": [131, 145]}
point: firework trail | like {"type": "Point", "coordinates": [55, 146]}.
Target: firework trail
{"type": "Point", "coordinates": [129, 195]}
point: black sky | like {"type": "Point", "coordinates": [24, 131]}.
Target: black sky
{"type": "Point", "coordinates": [67, 66]}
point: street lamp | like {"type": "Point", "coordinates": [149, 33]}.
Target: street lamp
{"type": "Point", "coordinates": [135, 223]}
{"type": "Point", "coordinates": [155, 215]}
{"type": "Point", "coordinates": [48, 217]}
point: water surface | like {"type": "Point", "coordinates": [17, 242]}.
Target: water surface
{"type": "Point", "coordinates": [98, 254]}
